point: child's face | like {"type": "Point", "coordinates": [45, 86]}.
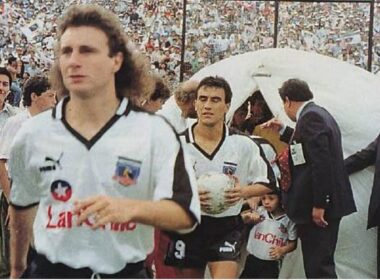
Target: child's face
{"type": "Point", "coordinates": [270, 202]}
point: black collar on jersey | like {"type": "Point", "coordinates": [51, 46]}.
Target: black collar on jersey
{"type": "Point", "coordinates": [270, 215]}
{"type": "Point", "coordinates": [59, 113]}
{"type": "Point", "coordinates": [189, 135]}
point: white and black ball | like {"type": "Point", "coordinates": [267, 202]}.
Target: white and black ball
{"type": "Point", "coordinates": [216, 183]}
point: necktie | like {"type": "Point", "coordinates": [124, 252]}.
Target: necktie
{"type": "Point", "coordinates": [283, 164]}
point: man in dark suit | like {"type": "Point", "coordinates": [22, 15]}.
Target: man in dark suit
{"type": "Point", "coordinates": [358, 161]}
{"type": "Point", "coordinates": [320, 192]}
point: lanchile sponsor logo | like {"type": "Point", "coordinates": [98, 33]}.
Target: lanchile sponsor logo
{"type": "Point", "coordinates": [59, 218]}
{"type": "Point", "coordinates": [52, 164]}
{"type": "Point", "coordinates": [67, 219]}
{"type": "Point", "coordinates": [270, 238]}
{"type": "Point", "coordinates": [229, 168]}
{"type": "Point", "coordinates": [127, 171]}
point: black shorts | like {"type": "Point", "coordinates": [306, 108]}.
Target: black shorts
{"type": "Point", "coordinates": [215, 239]}
{"type": "Point", "coordinates": [256, 268]}
{"type": "Point", "coordinates": [41, 268]}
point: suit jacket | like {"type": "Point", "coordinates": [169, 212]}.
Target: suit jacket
{"type": "Point", "coordinates": [362, 159]}
{"type": "Point", "coordinates": [322, 181]}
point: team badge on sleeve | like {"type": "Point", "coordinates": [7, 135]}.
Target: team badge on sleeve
{"type": "Point", "coordinates": [127, 171]}
{"type": "Point", "coordinates": [283, 228]}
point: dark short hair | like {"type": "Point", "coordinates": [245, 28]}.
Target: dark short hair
{"type": "Point", "coordinates": [11, 59]}
{"type": "Point", "coordinates": [277, 192]}
{"type": "Point", "coordinates": [4, 71]}
{"type": "Point", "coordinates": [161, 90]}
{"type": "Point", "coordinates": [37, 85]}
{"type": "Point", "coordinates": [295, 90]}
{"type": "Point", "coordinates": [217, 82]}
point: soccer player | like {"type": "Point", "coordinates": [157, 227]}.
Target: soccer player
{"type": "Point", "coordinates": [37, 97]}
{"type": "Point", "coordinates": [95, 174]}
{"type": "Point", "coordinates": [217, 240]}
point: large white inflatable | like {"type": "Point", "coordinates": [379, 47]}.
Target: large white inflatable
{"type": "Point", "coordinates": [352, 95]}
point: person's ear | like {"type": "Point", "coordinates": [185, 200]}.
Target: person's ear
{"type": "Point", "coordinates": [287, 102]}
{"type": "Point", "coordinates": [33, 96]}
{"type": "Point", "coordinates": [228, 105]}
{"type": "Point", "coordinates": [118, 61]}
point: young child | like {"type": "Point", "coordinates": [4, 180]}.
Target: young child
{"type": "Point", "coordinates": [272, 236]}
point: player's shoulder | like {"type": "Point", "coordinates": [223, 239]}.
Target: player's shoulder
{"type": "Point", "coordinates": [287, 220]}
{"type": "Point", "coordinates": [241, 139]}
{"type": "Point", "coordinates": [41, 118]}
{"type": "Point", "coordinates": [37, 123]}
{"type": "Point", "coordinates": [19, 116]}
{"type": "Point", "coordinates": [13, 121]}
{"type": "Point", "coordinates": [149, 120]}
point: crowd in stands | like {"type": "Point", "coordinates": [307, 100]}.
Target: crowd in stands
{"type": "Point", "coordinates": [214, 30]}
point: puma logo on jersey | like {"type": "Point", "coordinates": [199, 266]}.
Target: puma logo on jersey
{"type": "Point", "coordinates": [228, 247]}
{"type": "Point", "coordinates": [53, 163]}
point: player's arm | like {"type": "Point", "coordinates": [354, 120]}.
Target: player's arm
{"type": "Point", "coordinates": [278, 252]}
{"type": "Point", "coordinates": [4, 179]}
{"type": "Point", "coordinates": [257, 189]}
{"type": "Point", "coordinates": [24, 198]}
{"type": "Point", "coordinates": [21, 224]}
{"type": "Point", "coordinates": [262, 177]}
{"type": "Point", "coordinates": [363, 158]}
{"type": "Point", "coordinates": [164, 214]}
{"type": "Point", "coordinates": [233, 195]}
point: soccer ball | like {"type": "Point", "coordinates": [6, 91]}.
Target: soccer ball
{"type": "Point", "coordinates": [216, 183]}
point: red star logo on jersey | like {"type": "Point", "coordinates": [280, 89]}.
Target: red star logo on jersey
{"type": "Point", "coordinates": [61, 190]}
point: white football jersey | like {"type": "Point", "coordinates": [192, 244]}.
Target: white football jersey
{"type": "Point", "coordinates": [236, 155]}
{"type": "Point", "coordinates": [270, 155]}
{"type": "Point", "coordinates": [173, 114]}
{"type": "Point", "coordinates": [7, 135]}
{"type": "Point", "coordinates": [135, 155]}
{"type": "Point", "coordinates": [271, 232]}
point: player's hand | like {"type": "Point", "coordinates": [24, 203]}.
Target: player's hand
{"type": "Point", "coordinates": [232, 196]}
{"type": "Point", "coordinates": [204, 198]}
{"type": "Point", "coordinates": [251, 217]}
{"type": "Point", "coordinates": [318, 217]}
{"type": "Point", "coordinates": [276, 253]}
{"type": "Point", "coordinates": [101, 210]}
{"type": "Point", "coordinates": [253, 202]}
{"type": "Point", "coordinates": [273, 123]}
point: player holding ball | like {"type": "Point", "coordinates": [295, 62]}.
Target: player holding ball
{"type": "Point", "coordinates": [216, 151]}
